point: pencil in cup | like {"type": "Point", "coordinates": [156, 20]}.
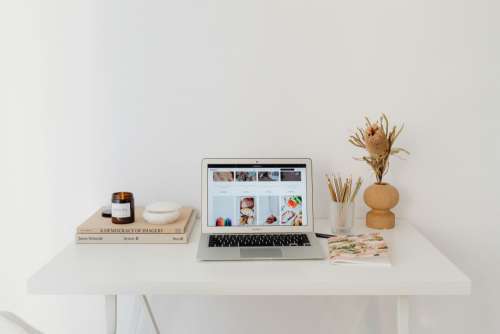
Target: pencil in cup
{"type": "Point", "coordinates": [342, 191]}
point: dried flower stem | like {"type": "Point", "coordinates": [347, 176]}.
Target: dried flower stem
{"type": "Point", "coordinates": [378, 139]}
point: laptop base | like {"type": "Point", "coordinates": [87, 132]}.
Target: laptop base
{"type": "Point", "coordinates": [206, 253]}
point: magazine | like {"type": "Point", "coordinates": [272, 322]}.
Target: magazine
{"type": "Point", "coordinates": [366, 249]}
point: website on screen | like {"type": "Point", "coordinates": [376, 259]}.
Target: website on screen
{"type": "Point", "coordinates": [263, 195]}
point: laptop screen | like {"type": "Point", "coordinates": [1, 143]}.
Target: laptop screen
{"type": "Point", "coordinates": [249, 195]}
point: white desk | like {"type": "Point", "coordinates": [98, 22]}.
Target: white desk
{"type": "Point", "coordinates": [418, 268]}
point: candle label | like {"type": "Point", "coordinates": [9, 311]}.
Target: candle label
{"type": "Point", "coordinates": [120, 210]}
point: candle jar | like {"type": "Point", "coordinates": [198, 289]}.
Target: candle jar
{"type": "Point", "coordinates": [122, 208]}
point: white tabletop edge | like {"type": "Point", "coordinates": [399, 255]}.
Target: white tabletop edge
{"type": "Point", "coordinates": [44, 281]}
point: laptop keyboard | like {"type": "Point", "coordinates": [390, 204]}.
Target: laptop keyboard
{"type": "Point", "coordinates": [258, 240]}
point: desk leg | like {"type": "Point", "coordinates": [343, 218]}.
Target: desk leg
{"type": "Point", "coordinates": [110, 314]}
{"type": "Point", "coordinates": [403, 315]}
{"type": "Point", "coordinates": [149, 311]}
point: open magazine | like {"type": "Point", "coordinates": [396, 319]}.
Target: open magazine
{"type": "Point", "coordinates": [366, 249]}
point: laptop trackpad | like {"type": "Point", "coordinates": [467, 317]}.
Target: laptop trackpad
{"type": "Point", "coordinates": [260, 252]}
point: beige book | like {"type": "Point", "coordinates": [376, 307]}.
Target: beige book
{"type": "Point", "coordinates": [137, 238]}
{"type": "Point", "coordinates": [97, 224]}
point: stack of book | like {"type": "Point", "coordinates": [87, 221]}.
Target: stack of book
{"type": "Point", "coordinates": [100, 230]}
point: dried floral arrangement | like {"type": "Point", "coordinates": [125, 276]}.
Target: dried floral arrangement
{"type": "Point", "coordinates": [378, 139]}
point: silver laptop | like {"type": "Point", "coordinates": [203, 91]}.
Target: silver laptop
{"type": "Point", "coordinates": [257, 209]}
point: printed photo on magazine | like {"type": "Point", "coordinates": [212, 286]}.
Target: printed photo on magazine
{"type": "Point", "coordinates": [369, 249]}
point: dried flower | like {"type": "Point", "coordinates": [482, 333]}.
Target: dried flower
{"type": "Point", "coordinates": [378, 140]}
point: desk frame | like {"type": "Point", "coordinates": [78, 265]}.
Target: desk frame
{"type": "Point", "coordinates": [111, 302]}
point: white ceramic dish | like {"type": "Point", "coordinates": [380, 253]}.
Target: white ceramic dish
{"type": "Point", "coordinates": [161, 212]}
{"type": "Point", "coordinates": [160, 218]}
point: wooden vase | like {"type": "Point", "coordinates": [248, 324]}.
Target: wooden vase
{"type": "Point", "coordinates": [381, 198]}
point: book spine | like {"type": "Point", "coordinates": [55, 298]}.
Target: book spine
{"type": "Point", "coordinates": [124, 238]}
{"type": "Point", "coordinates": [131, 230]}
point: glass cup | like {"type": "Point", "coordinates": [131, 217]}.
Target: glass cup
{"type": "Point", "coordinates": [342, 217]}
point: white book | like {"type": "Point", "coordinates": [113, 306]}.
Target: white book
{"type": "Point", "coordinates": [362, 249]}
{"type": "Point", "coordinates": [137, 238]}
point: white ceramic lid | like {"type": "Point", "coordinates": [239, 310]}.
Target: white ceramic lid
{"type": "Point", "coordinates": [163, 207]}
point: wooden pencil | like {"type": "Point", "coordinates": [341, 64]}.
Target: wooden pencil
{"type": "Point", "coordinates": [356, 189]}
{"type": "Point", "coordinates": [331, 189]}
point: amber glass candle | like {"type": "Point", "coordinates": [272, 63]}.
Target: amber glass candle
{"type": "Point", "coordinates": [122, 208]}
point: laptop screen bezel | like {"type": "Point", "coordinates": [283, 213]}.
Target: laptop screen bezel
{"type": "Point", "coordinates": [256, 229]}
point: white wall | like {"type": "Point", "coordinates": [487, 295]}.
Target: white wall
{"type": "Point", "coordinates": [97, 96]}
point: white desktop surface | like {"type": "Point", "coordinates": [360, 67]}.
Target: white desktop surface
{"type": "Point", "coordinates": [418, 268]}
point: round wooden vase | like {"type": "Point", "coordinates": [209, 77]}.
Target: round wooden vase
{"type": "Point", "coordinates": [381, 198]}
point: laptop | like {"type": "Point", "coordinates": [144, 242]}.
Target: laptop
{"type": "Point", "coordinates": [256, 209]}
